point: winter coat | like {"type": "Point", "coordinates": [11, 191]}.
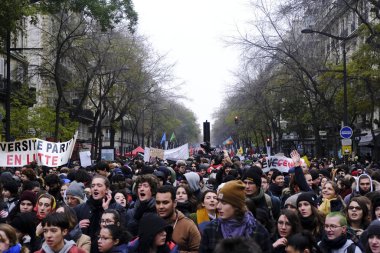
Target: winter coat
{"type": "Point", "coordinates": [134, 214]}
{"type": "Point", "coordinates": [134, 245]}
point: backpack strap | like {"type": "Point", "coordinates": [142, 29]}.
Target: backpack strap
{"type": "Point", "coordinates": [351, 248]}
{"type": "Point", "coordinates": [268, 200]}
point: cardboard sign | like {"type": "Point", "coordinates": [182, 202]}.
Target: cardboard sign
{"type": "Point", "coordinates": [22, 152]}
{"type": "Point", "coordinates": [156, 152]}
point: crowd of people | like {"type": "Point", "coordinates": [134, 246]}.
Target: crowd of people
{"type": "Point", "coordinates": [208, 203]}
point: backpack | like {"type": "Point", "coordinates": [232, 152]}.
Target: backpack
{"type": "Point", "coordinates": [351, 248]}
{"type": "Point", "coordinates": [268, 200]}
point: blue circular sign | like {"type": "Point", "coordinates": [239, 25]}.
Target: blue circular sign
{"type": "Point", "coordinates": [346, 132]}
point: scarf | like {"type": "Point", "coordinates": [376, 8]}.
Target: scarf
{"type": "Point", "coordinates": [14, 249]}
{"type": "Point", "coordinates": [325, 206]}
{"type": "Point", "coordinates": [307, 222]}
{"type": "Point", "coordinates": [96, 214]}
{"type": "Point", "coordinates": [202, 216]}
{"type": "Point", "coordinates": [334, 244]}
{"type": "Point", "coordinates": [258, 197]}
{"type": "Point", "coordinates": [233, 228]}
{"type": "Point", "coordinates": [275, 189]}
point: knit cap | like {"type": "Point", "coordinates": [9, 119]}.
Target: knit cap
{"type": "Point", "coordinates": [308, 197]}
{"type": "Point", "coordinates": [76, 189]}
{"type": "Point", "coordinates": [25, 223]}
{"type": "Point", "coordinates": [233, 193]}
{"type": "Point", "coordinates": [30, 196]}
{"type": "Point", "coordinates": [292, 200]}
{"type": "Point", "coordinates": [253, 176]}
{"type": "Point", "coordinates": [374, 228]}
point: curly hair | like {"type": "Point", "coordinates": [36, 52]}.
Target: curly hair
{"type": "Point", "coordinates": [150, 179]}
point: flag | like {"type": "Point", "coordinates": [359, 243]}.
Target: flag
{"type": "Point", "coordinates": [229, 141]}
{"type": "Point", "coordinates": [172, 138]}
{"type": "Point", "coordinates": [163, 139]}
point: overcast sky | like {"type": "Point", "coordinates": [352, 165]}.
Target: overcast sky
{"type": "Point", "coordinates": [192, 33]}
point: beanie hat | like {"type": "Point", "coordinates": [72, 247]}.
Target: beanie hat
{"type": "Point", "coordinates": [11, 186]}
{"type": "Point", "coordinates": [76, 189]}
{"type": "Point", "coordinates": [314, 174]}
{"type": "Point", "coordinates": [308, 197]}
{"type": "Point", "coordinates": [374, 228]}
{"type": "Point", "coordinates": [30, 196]}
{"type": "Point", "coordinates": [292, 200]}
{"type": "Point", "coordinates": [233, 193]}
{"type": "Point", "coordinates": [253, 176]}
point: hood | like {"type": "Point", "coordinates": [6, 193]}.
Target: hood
{"type": "Point", "coordinates": [66, 247]}
{"type": "Point", "coordinates": [193, 179]}
{"type": "Point", "coordinates": [358, 179]}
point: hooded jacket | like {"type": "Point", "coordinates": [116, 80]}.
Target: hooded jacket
{"type": "Point", "coordinates": [69, 247]}
{"type": "Point", "coordinates": [357, 189]}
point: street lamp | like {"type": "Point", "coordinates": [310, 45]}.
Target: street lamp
{"type": "Point", "coordinates": [343, 40]}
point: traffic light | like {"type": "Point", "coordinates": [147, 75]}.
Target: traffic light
{"type": "Point", "coordinates": [236, 120]}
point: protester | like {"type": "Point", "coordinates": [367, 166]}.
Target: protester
{"type": "Point", "coordinates": [335, 238]}
{"type": "Point", "coordinates": [207, 210]}
{"type": "Point", "coordinates": [186, 203]}
{"type": "Point", "coordinates": [113, 239]}
{"type": "Point", "coordinates": [75, 194]}
{"type": "Point", "coordinates": [331, 200]}
{"type": "Point", "coordinates": [237, 245]}
{"type": "Point", "coordinates": [309, 215]}
{"type": "Point", "coordinates": [24, 224]}
{"type": "Point", "coordinates": [8, 240]}
{"type": "Point", "coordinates": [357, 215]}
{"type": "Point", "coordinates": [46, 204]}
{"type": "Point", "coordinates": [154, 236]}
{"type": "Point", "coordinates": [287, 225]}
{"type": "Point", "coordinates": [185, 232]}
{"type": "Point", "coordinates": [110, 217]}
{"type": "Point", "coordinates": [302, 242]}
{"type": "Point", "coordinates": [55, 228]}
{"type": "Point", "coordinates": [234, 220]}
{"type": "Point", "coordinates": [363, 186]}
{"type": "Point", "coordinates": [372, 238]}
{"type": "Point", "coordinates": [145, 188]}
{"type": "Point", "coordinates": [90, 212]}
{"type": "Point", "coordinates": [74, 232]}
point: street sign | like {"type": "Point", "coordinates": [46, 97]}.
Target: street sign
{"type": "Point", "coordinates": [322, 133]}
{"type": "Point", "coordinates": [346, 150]}
{"type": "Point", "coordinates": [346, 132]}
{"type": "Point", "coordinates": [346, 142]}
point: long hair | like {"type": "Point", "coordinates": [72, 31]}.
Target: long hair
{"type": "Point", "coordinates": [10, 232]}
{"type": "Point", "coordinates": [362, 202]}
{"type": "Point", "coordinates": [318, 221]}
{"type": "Point", "coordinates": [294, 221]}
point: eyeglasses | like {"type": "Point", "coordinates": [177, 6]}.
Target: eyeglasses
{"type": "Point", "coordinates": [283, 223]}
{"type": "Point", "coordinates": [354, 207]}
{"type": "Point", "coordinates": [104, 238]}
{"type": "Point", "coordinates": [331, 227]}
{"type": "Point", "coordinates": [107, 222]}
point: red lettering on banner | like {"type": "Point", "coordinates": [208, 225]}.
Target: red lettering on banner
{"type": "Point", "coordinates": [54, 161]}
{"type": "Point", "coordinates": [9, 160]}
{"type": "Point", "coordinates": [18, 160]}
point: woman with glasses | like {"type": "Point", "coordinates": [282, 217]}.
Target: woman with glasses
{"type": "Point", "coordinates": [357, 215]}
{"type": "Point", "coordinates": [110, 217]}
{"type": "Point", "coordinates": [331, 200]}
{"type": "Point", "coordinates": [288, 224]}
{"type": "Point", "coordinates": [113, 239]}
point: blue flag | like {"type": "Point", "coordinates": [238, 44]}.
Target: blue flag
{"type": "Point", "coordinates": [163, 139]}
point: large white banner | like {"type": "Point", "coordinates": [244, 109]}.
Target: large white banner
{"type": "Point", "coordinates": [22, 152]}
{"type": "Point", "coordinates": [279, 162]}
{"type": "Point", "coordinates": [180, 153]}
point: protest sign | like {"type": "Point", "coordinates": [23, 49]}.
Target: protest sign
{"type": "Point", "coordinates": [85, 158]}
{"type": "Point", "coordinates": [279, 162]}
{"type": "Point", "coordinates": [21, 152]}
{"type": "Point", "coordinates": [156, 152]}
